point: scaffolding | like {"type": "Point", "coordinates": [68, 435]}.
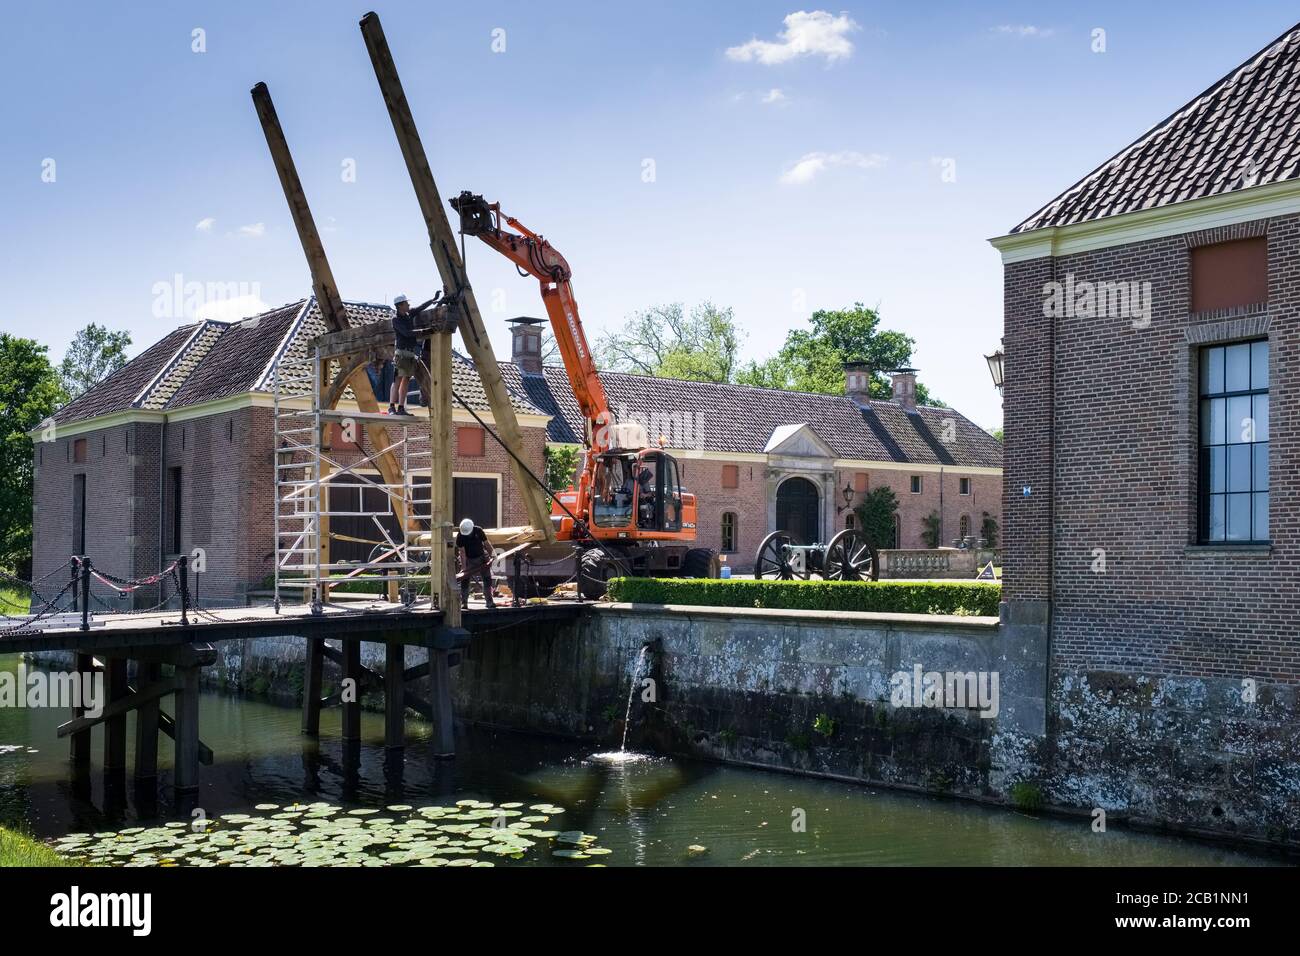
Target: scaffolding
{"type": "Point", "coordinates": [308, 469]}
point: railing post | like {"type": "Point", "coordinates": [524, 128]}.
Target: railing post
{"type": "Point", "coordinates": [75, 571]}
{"type": "Point", "coordinates": [518, 581]}
{"type": "Point", "coordinates": [85, 592]}
{"type": "Point", "coordinates": [184, 566]}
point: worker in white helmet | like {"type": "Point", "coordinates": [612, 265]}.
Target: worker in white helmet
{"type": "Point", "coordinates": [406, 351]}
{"type": "Point", "coordinates": [475, 552]}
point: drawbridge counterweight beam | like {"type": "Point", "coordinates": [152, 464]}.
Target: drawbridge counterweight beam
{"type": "Point", "coordinates": [442, 242]}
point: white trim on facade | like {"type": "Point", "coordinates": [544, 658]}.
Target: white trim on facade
{"type": "Point", "coordinates": [1209, 212]}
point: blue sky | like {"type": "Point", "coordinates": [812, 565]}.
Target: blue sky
{"type": "Point", "coordinates": [775, 204]}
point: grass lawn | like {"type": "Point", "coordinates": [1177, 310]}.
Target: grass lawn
{"type": "Point", "coordinates": [13, 601]}
{"type": "Point", "coordinates": [19, 850]}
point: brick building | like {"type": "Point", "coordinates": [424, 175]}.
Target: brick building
{"type": "Point", "coordinates": [1152, 321]}
{"type": "Point", "coordinates": [762, 459]}
{"type": "Point", "coordinates": [174, 452]}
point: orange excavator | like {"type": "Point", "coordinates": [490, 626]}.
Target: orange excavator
{"type": "Point", "coordinates": [628, 514]}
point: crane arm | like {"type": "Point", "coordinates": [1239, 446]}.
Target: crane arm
{"type": "Point", "coordinates": [532, 254]}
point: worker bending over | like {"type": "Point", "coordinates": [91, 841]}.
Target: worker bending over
{"type": "Point", "coordinates": [406, 351]}
{"type": "Point", "coordinates": [475, 552]}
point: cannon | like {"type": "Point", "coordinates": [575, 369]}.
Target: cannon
{"type": "Point", "coordinates": [848, 557]}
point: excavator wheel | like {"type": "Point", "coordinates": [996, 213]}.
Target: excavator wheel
{"type": "Point", "coordinates": [701, 563]}
{"type": "Point", "coordinates": [595, 569]}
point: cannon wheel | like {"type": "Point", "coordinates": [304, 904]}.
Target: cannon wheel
{"type": "Point", "coordinates": [849, 558]}
{"type": "Point", "coordinates": [773, 560]}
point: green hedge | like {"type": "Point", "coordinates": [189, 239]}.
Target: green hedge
{"type": "Point", "coordinates": [898, 597]}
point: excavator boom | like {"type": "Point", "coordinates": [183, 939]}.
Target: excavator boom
{"type": "Point", "coordinates": [532, 254]}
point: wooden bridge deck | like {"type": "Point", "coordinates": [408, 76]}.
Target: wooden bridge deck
{"type": "Point", "coordinates": [157, 638]}
{"type": "Point", "coordinates": [378, 621]}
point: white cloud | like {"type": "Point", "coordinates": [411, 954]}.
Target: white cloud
{"type": "Point", "coordinates": [232, 309]}
{"type": "Point", "coordinates": [774, 96]}
{"type": "Point", "coordinates": [255, 231]}
{"type": "Point", "coordinates": [811, 165]}
{"type": "Point", "coordinates": [805, 34]}
{"type": "Point", "coordinates": [205, 225]}
{"type": "Point", "coordinates": [1024, 30]}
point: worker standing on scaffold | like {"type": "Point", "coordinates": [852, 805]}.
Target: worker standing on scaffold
{"type": "Point", "coordinates": [406, 351]}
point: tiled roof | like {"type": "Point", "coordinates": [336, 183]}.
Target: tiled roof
{"type": "Point", "coordinates": [1243, 131]}
{"type": "Point", "coordinates": [738, 418]}
{"type": "Point", "coordinates": [120, 390]}
{"type": "Point", "coordinates": [206, 361]}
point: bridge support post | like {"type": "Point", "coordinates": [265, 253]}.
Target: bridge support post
{"type": "Point", "coordinates": [115, 727]}
{"type": "Point", "coordinates": [146, 726]}
{"type": "Point", "coordinates": [394, 696]}
{"type": "Point", "coordinates": [443, 738]}
{"type": "Point", "coordinates": [350, 694]}
{"type": "Point", "coordinates": [311, 684]}
{"type": "Point", "coordinates": [80, 741]}
{"type": "Point", "coordinates": [187, 729]}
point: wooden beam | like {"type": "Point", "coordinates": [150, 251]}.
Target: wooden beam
{"type": "Point", "coordinates": [186, 734]}
{"type": "Point", "coordinates": [115, 723]}
{"type": "Point", "coordinates": [334, 392]}
{"type": "Point", "coordinates": [394, 694]}
{"type": "Point", "coordinates": [322, 278]}
{"type": "Point", "coordinates": [311, 682]}
{"type": "Point", "coordinates": [121, 706]}
{"type": "Point", "coordinates": [442, 242]}
{"type": "Point", "coordinates": [80, 745]}
{"type": "Point", "coordinates": [352, 670]}
{"type": "Point", "coordinates": [442, 539]}
{"type": "Point", "coordinates": [444, 732]}
{"type": "Point", "coordinates": [146, 720]}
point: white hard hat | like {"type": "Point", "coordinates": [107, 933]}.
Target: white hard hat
{"type": "Point", "coordinates": [400, 299]}
{"type": "Point", "coordinates": [466, 526]}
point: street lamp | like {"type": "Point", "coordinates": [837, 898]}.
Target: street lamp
{"type": "Point", "coordinates": [995, 367]}
{"type": "Point", "coordinates": [848, 493]}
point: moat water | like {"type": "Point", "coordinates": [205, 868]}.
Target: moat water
{"type": "Point", "coordinates": [650, 812]}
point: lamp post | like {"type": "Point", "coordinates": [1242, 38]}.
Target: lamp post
{"type": "Point", "coordinates": [847, 492]}
{"type": "Point", "coordinates": [996, 367]}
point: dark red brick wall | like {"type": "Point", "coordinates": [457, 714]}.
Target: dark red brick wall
{"type": "Point", "coordinates": [1108, 410]}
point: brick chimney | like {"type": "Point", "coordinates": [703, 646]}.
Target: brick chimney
{"type": "Point", "coordinates": [857, 381]}
{"type": "Point", "coordinates": [903, 381]}
{"type": "Point", "coordinates": [526, 344]}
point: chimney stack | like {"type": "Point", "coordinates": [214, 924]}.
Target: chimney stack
{"type": "Point", "coordinates": [857, 382]}
{"type": "Point", "coordinates": [526, 344]}
{"type": "Point", "coordinates": [903, 381]}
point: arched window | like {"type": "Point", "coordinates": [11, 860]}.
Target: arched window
{"type": "Point", "coordinates": [728, 532]}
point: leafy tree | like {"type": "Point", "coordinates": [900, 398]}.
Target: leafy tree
{"type": "Point", "coordinates": [94, 354]}
{"type": "Point", "coordinates": [29, 393]}
{"type": "Point", "coordinates": [812, 360]}
{"type": "Point", "coordinates": [989, 530]}
{"type": "Point", "coordinates": [876, 514]}
{"type": "Point", "coordinates": [667, 342]}
{"type": "Point", "coordinates": [996, 433]}
{"type": "Point", "coordinates": [930, 526]}
{"type": "Point", "coordinates": [562, 465]}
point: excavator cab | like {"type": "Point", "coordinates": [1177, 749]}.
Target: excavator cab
{"type": "Point", "coordinates": [637, 492]}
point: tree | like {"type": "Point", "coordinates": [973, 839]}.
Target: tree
{"type": "Point", "coordinates": [876, 514]}
{"type": "Point", "coordinates": [666, 342]}
{"type": "Point", "coordinates": [996, 433]}
{"type": "Point", "coordinates": [931, 525]}
{"type": "Point", "coordinates": [29, 394]}
{"type": "Point", "coordinates": [94, 354]}
{"type": "Point", "coordinates": [561, 465]}
{"type": "Point", "coordinates": [812, 360]}
{"type": "Point", "coordinates": [989, 530]}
